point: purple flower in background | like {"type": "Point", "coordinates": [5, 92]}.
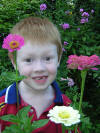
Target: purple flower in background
{"type": "Point", "coordinates": [63, 49]}
{"type": "Point", "coordinates": [65, 43]}
{"type": "Point", "coordinates": [43, 7]}
{"type": "Point", "coordinates": [70, 82]}
{"type": "Point", "coordinates": [92, 11]}
{"type": "Point", "coordinates": [85, 14]}
{"type": "Point", "coordinates": [67, 12]}
{"type": "Point", "coordinates": [82, 21]}
{"type": "Point", "coordinates": [81, 10]}
{"type": "Point", "coordinates": [78, 29]}
{"type": "Point", "coordinates": [86, 20]}
{"type": "Point", "coordinates": [65, 26]}
{"type": "Point", "coordinates": [63, 79]}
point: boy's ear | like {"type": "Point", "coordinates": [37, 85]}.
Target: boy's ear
{"type": "Point", "coordinates": [11, 57]}
{"type": "Point", "coordinates": [59, 60]}
{"type": "Point", "coordinates": [58, 64]}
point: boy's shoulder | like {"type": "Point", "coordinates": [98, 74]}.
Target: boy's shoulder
{"type": "Point", "coordinates": [2, 99]}
{"type": "Point", "coordinates": [3, 92]}
{"type": "Point", "coordinates": [9, 93]}
{"type": "Point", "coordinates": [60, 97]}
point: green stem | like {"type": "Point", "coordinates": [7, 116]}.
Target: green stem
{"type": "Point", "coordinates": [69, 131]}
{"type": "Point", "coordinates": [63, 128]}
{"type": "Point", "coordinates": [76, 128]}
{"type": "Point", "coordinates": [17, 87]}
{"type": "Point", "coordinates": [83, 76]}
{"type": "Point", "coordinates": [16, 80]}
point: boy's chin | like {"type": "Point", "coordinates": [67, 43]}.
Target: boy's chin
{"type": "Point", "coordinates": [37, 87]}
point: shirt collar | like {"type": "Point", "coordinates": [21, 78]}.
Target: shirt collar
{"type": "Point", "coordinates": [11, 97]}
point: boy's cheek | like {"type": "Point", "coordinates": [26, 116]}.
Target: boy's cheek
{"type": "Point", "coordinates": [52, 69]}
{"type": "Point", "coordinates": [25, 72]}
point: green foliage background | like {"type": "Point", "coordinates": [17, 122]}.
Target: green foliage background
{"type": "Point", "coordinates": [83, 42]}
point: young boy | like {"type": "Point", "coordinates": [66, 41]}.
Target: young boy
{"type": "Point", "coordinates": [38, 60]}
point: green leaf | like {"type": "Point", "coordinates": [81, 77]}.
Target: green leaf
{"type": "Point", "coordinates": [39, 123]}
{"type": "Point", "coordinates": [12, 129]}
{"type": "Point", "coordinates": [11, 76]}
{"type": "Point", "coordinates": [20, 77]}
{"type": "Point", "coordinates": [84, 39]}
{"type": "Point", "coordinates": [27, 126]}
{"type": "Point", "coordinates": [23, 112]}
{"type": "Point", "coordinates": [11, 118]}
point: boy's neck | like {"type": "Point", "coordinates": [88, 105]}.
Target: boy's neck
{"type": "Point", "coordinates": [28, 92]}
{"type": "Point", "coordinates": [40, 100]}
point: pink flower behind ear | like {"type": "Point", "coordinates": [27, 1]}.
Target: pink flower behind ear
{"type": "Point", "coordinates": [13, 42]}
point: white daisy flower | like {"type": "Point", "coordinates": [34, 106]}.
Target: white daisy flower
{"type": "Point", "coordinates": [64, 115]}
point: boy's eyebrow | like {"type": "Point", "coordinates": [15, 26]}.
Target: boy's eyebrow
{"type": "Point", "coordinates": [49, 53]}
{"type": "Point", "coordinates": [45, 53]}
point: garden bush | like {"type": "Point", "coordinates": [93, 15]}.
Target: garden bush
{"type": "Point", "coordinates": [78, 37]}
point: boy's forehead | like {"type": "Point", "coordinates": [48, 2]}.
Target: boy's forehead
{"type": "Point", "coordinates": [37, 47]}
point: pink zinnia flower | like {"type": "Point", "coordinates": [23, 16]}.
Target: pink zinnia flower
{"type": "Point", "coordinates": [83, 62]}
{"type": "Point", "coordinates": [43, 7]}
{"type": "Point", "coordinates": [72, 62]}
{"type": "Point", "coordinates": [13, 42]}
{"type": "Point", "coordinates": [65, 26]}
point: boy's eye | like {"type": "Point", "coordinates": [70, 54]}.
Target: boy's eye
{"type": "Point", "coordinates": [47, 58]}
{"type": "Point", "coordinates": [28, 60]}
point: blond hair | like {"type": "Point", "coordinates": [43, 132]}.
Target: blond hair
{"type": "Point", "coordinates": [39, 29]}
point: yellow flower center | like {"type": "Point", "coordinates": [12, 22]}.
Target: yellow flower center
{"type": "Point", "coordinates": [64, 114]}
{"type": "Point", "coordinates": [14, 44]}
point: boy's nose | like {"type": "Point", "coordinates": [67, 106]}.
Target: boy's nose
{"type": "Point", "coordinates": [39, 66]}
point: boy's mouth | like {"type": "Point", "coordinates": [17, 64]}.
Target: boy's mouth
{"type": "Point", "coordinates": [40, 77]}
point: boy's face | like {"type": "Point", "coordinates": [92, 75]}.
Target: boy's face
{"type": "Point", "coordinates": [38, 62]}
